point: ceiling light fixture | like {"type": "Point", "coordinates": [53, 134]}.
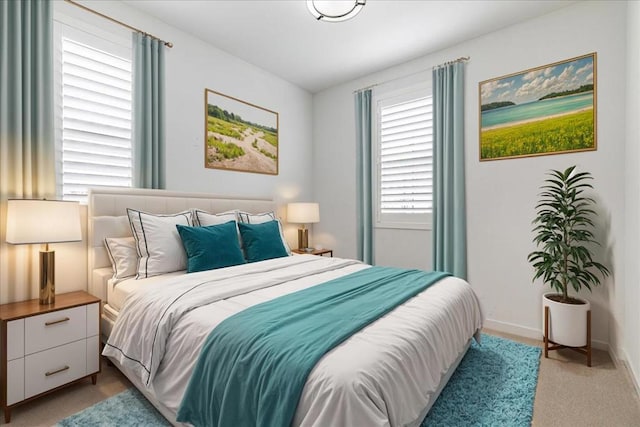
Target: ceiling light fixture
{"type": "Point", "coordinates": [335, 10]}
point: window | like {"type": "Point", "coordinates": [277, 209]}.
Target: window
{"type": "Point", "coordinates": [404, 154]}
{"type": "Point", "coordinates": [94, 105]}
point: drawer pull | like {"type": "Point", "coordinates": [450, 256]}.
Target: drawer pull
{"type": "Point", "coordinates": [57, 371]}
{"type": "Point", "coordinates": [53, 322]}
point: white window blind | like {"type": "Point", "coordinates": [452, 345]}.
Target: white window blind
{"type": "Point", "coordinates": [96, 119]}
{"type": "Point", "coordinates": [406, 160]}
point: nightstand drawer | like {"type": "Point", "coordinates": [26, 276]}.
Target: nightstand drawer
{"type": "Point", "coordinates": [15, 339]}
{"type": "Point", "coordinates": [15, 381]}
{"type": "Point", "coordinates": [56, 328]}
{"type": "Point", "coordinates": [47, 346]}
{"type": "Point", "coordinates": [93, 355]}
{"type": "Point", "coordinates": [52, 368]}
{"type": "Point", "coordinates": [93, 319]}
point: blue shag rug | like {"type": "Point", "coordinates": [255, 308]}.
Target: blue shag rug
{"type": "Point", "coordinates": [129, 408]}
{"type": "Point", "coordinates": [495, 384]}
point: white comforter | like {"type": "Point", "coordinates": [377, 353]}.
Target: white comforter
{"type": "Point", "coordinates": [383, 375]}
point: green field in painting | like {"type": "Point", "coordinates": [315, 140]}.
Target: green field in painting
{"type": "Point", "coordinates": [270, 137]}
{"type": "Point", "coordinates": [563, 133]}
{"type": "Point", "coordinates": [224, 150]}
{"type": "Point", "coordinates": [234, 130]}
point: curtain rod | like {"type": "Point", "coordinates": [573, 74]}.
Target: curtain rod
{"type": "Point", "coordinates": [167, 44]}
{"type": "Point", "coordinates": [462, 58]}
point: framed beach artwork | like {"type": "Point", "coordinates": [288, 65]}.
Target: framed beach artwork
{"type": "Point", "coordinates": [239, 136]}
{"type": "Point", "coordinates": [545, 110]}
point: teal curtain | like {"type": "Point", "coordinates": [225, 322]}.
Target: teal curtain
{"type": "Point", "coordinates": [27, 147]}
{"type": "Point", "coordinates": [449, 214]}
{"type": "Point", "coordinates": [149, 150]}
{"type": "Point", "coordinates": [364, 222]}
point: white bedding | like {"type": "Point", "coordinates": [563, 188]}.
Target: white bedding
{"type": "Point", "coordinates": [119, 290]}
{"type": "Point", "coordinates": [383, 375]}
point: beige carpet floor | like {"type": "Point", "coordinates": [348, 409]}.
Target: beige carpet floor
{"type": "Point", "coordinates": [568, 394]}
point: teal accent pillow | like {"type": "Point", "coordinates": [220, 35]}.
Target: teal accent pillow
{"type": "Point", "coordinates": [212, 246]}
{"type": "Point", "coordinates": [262, 241]}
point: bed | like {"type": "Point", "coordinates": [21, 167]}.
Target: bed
{"type": "Point", "coordinates": [388, 373]}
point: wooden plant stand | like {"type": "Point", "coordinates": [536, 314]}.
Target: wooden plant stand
{"type": "Point", "coordinates": [550, 345]}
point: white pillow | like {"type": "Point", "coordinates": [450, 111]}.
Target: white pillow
{"type": "Point", "coordinates": [158, 243]}
{"type": "Point", "coordinates": [249, 218]}
{"type": "Point", "coordinates": [123, 255]}
{"type": "Point", "coordinates": [203, 218]}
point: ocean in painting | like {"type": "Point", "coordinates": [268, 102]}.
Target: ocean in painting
{"type": "Point", "coordinates": [536, 109]}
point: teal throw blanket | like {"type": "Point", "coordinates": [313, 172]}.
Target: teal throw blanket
{"type": "Point", "coordinates": [253, 366]}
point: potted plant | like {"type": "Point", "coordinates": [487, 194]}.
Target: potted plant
{"type": "Point", "coordinates": [563, 235]}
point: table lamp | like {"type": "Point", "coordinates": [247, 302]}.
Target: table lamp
{"type": "Point", "coordinates": [43, 221]}
{"type": "Point", "coordinates": [303, 213]}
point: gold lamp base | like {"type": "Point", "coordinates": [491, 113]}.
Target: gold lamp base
{"type": "Point", "coordinates": [303, 238]}
{"type": "Point", "coordinates": [47, 277]}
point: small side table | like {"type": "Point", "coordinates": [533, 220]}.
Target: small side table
{"type": "Point", "coordinates": [320, 252]}
{"type": "Point", "coordinates": [46, 347]}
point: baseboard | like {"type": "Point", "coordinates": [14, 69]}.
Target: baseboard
{"type": "Point", "coordinates": [510, 328]}
{"type": "Point", "coordinates": [533, 333]}
{"type": "Point", "coordinates": [618, 359]}
{"type": "Point", "coordinates": [624, 364]}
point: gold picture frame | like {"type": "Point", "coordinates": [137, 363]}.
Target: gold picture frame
{"type": "Point", "coordinates": [545, 110]}
{"type": "Point", "coordinates": [239, 136]}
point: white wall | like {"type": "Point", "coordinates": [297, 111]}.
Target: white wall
{"type": "Point", "coordinates": [501, 195]}
{"type": "Point", "coordinates": [629, 300]}
{"type": "Point", "coordinates": [192, 66]}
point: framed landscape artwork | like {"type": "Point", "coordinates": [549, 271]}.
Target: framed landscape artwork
{"type": "Point", "coordinates": [239, 136]}
{"type": "Point", "coordinates": [545, 110]}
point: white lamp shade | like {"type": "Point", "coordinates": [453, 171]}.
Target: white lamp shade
{"type": "Point", "coordinates": [303, 213]}
{"type": "Point", "coordinates": [43, 221]}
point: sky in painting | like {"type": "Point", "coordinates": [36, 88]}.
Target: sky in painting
{"type": "Point", "coordinates": [534, 84]}
{"type": "Point", "coordinates": [246, 111]}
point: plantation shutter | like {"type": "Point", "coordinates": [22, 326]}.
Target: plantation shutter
{"type": "Point", "coordinates": [96, 119]}
{"type": "Point", "coordinates": [406, 157]}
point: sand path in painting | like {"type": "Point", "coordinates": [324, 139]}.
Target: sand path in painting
{"type": "Point", "coordinates": [252, 160]}
{"type": "Point", "coordinates": [537, 119]}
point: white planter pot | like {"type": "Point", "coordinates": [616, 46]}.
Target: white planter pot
{"type": "Point", "coordinates": [567, 322]}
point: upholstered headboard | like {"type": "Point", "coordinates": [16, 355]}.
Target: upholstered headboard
{"type": "Point", "coordinates": [107, 212]}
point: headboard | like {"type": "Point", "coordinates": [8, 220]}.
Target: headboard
{"type": "Point", "coordinates": [106, 217]}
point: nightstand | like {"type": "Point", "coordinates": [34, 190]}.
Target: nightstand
{"type": "Point", "coordinates": [320, 252]}
{"type": "Point", "coordinates": [46, 347]}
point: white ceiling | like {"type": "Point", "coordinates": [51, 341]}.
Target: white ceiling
{"type": "Point", "coordinates": [282, 37]}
